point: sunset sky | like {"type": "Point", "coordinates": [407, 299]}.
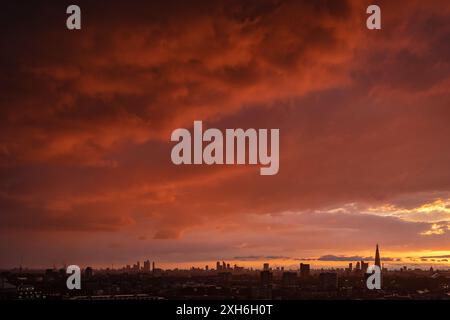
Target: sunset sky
{"type": "Point", "coordinates": [86, 117]}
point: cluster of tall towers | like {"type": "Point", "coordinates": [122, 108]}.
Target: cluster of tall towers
{"type": "Point", "coordinates": [137, 266]}
{"type": "Point", "coordinates": [363, 266]}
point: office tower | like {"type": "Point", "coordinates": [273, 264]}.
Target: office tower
{"type": "Point", "coordinates": [218, 267]}
{"type": "Point", "coordinates": [350, 267]}
{"type": "Point", "coordinates": [147, 266]}
{"type": "Point", "coordinates": [358, 266]}
{"type": "Point", "coordinates": [377, 258]}
{"type": "Point", "coordinates": [266, 267]}
{"type": "Point", "coordinates": [304, 270]}
{"type": "Point", "coordinates": [364, 266]}
{"type": "Point", "coordinates": [153, 266]}
{"type": "Point", "coordinates": [206, 268]}
{"type": "Point", "coordinates": [224, 265]}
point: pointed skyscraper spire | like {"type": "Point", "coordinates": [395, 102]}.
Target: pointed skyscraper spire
{"type": "Point", "coordinates": [377, 258]}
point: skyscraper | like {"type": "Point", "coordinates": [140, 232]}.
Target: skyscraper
{"type": "Point", "coordinates": [147, 266]}
{"type": "Point", "coordinates": [378, 262]}
{"type": "Point", "coordinates": [377, 258]}
{"type": "Point", "coordinates": [304, 270]}
{"type": "Point", "coordinates": [364, 266]}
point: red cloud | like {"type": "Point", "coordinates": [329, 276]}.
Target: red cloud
{"type": "Point", "coordinates": [86, 118]}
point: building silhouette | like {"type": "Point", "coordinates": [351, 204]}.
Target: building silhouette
{"type": "Point", "coordinates": [147, 266]}
{"type": "Point", "coordinates": [305, 270]}
{"type": "Point", "coordinates": [377, 258]}
{"type": "Point", "coordinates": [364, 266]}
{"type": "Point", "coordinates": [378, 262]}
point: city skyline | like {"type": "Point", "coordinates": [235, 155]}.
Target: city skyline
{"type": "Point", "coordinates": [329, 262]}
{"type": "Point", "coordinates": [226, 281]}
